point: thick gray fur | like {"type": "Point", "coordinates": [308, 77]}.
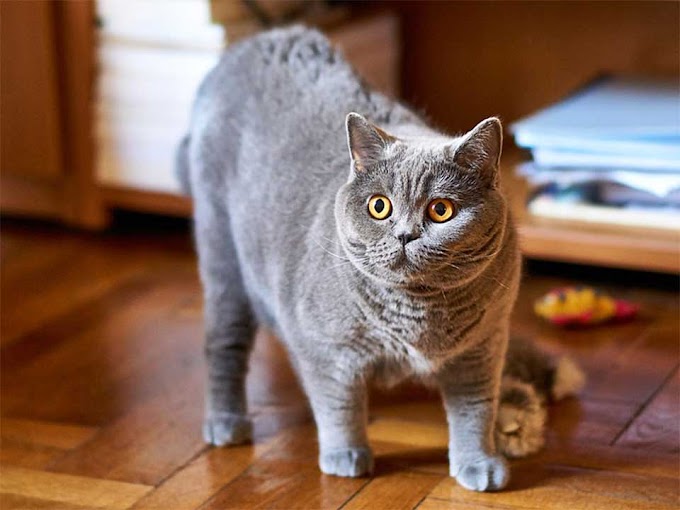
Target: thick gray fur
{"type": "Point", "coordinates": [285, 240]}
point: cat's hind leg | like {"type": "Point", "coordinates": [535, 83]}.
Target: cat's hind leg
{"type": "Point", "coordinates": [229, 326]}
{"type": "Point", "coordinates": [520, 422]}
{"type": "Point", "coordinates": [532, 378]}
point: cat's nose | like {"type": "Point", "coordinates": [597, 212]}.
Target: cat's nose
{"type": "Point", "coordinates": [407, 237]}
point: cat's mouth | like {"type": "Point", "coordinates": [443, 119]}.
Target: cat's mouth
{"type": "Point", "coordinates": [400, 261]}
{"type": "Point", "coordinates": [405, 265]}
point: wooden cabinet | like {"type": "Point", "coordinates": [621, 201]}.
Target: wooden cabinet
{"type": "Point", "coordinates": [46, 68]}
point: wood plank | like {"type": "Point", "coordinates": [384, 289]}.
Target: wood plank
{"type": "Point", "coordinates": [120, 325]}
{"type": "Point", "coordinates": [57, 435]}
{"type": "Point", "coordinates": [608, 458]}
{"type": "Point", "coordinates": [545, 487]}
{"type": "Point", "coordinates": [74, 490]}
{"type": "Point", "coordinates": [85, 318]}
{"type": "Point", "coordinates": [425, 410]}
{"type": "Point", "coordinates": [587, 422]}
{"type": "Point", "coordinates": [657, 428]}
{"type": "Point", "coordinates": [287, 477]}
{"type": "Point", "coordinates": [394, 491]}
{"type": "Point", "coordinates": [429, 435]}
{"type": "Point", "coordinates": [441, 504]}
{"type": "Point", "coordinates": [27, 455]}
{"type": "Point", "coordinates": [31, 444]}
{"type": "Point", "coordinates": [638, 368]}
{"type": "Point", "coordinates": [400, 457]}
{"type": "Point", "coordinates": [85, 273]}
{"type": "Point", "coordinates": [42, 297]}
{"type": "Point", "coordinates": [202, 478]}
{"type": "Point", "coordinates": [23, 259]}
{"type": "Point", "coordinates": [150, 441]}
{"type": "Point", "coordinates": [16, 502]}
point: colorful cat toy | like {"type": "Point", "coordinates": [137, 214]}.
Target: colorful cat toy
{"type": "Point", "coordinates": [582, 306]}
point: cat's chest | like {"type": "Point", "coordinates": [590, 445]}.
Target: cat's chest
{"type": "Point", "coordinates": [432, 327]}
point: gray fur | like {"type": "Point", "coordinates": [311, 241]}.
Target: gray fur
{"type": "Point", "coordinates": [285, 239]}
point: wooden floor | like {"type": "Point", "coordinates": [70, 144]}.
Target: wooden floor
{"type": "Point", "coordinates": [102, 396]}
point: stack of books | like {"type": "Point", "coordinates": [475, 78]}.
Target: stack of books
{"type": "Point", "coordinates": [609, 154]}
{"type": "Point", "coordinates": [151, 58]}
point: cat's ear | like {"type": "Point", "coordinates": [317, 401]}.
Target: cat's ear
{"type": "Point", "coordinates": [366, 142]}
{"type": "Point", "coordinates": [480, 150]}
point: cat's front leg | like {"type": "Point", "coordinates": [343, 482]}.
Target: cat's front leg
{"type": "Point", "coordinates": [469, 386]}
{"type": "Point", "coordinates": [339, 403]}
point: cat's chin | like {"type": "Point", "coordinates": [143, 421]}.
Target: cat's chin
{"type": "Point", "coordinates": [422, 290]}
{"type": "Point", "coordinates": [411, 285]}
{"type": "Point", "coordinates": [407, 281]}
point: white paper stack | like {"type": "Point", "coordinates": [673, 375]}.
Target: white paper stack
{"type": "Point", "coordinates": [152, 57]}
{"type": "Point", "coordinates": [614, 145]}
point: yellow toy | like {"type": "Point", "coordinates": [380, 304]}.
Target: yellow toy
{"type": "Point", "coordinates": [582, 306]}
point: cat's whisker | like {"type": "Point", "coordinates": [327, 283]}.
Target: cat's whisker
{"type": "Point", "coordinates": [327, 250]}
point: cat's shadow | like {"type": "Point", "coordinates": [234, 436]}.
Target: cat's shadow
{"type": "Point", "coordinates": [432, 460]}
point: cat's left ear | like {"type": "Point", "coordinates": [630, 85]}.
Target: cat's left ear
{"type": "Point", "coordinates": [480, 150]}
{"type": "Point", "coordinates": [367, 143]}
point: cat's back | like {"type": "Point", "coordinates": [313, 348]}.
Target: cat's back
{"type": "Point", "coordinates": [270, 73]}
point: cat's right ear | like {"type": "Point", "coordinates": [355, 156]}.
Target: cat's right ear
{"type": "Point", "coordinates": [366, 142]}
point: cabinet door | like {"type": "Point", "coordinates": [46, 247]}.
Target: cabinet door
{"type": "Point", "coordinates": [45, 104]}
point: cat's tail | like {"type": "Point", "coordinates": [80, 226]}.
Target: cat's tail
{"type": "Point", "coordinates": [531, 379]}
{"type": "Point", "coordinates": [182, 165]}
{"type": "Point", "coordinates": [568, 379]}
{"type": "Point", "coordinates": [554, 378]}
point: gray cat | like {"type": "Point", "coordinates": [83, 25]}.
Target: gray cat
{"type": "Point", "coordinates": [394, 259]}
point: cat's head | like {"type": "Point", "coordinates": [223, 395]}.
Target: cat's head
{"type": "Point", "coordinates": [421, 212]}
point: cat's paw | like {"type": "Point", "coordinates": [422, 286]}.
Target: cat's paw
{"type": "Point", "coordinates": [220, 429]}
{"type": "Point", "coordinates": [521, 420]}
{"type": "Point", "coordinates": [488, 473]}
{"type": "Point", "coordinates": [351, 462]}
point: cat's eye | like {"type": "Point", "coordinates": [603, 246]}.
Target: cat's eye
{"type": "Point", "coordinates": [380, 207]}
{"type": "Point", "coordinates": [441, 210]}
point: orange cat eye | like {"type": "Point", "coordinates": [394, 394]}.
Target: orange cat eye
{"type": "Point", "coordinates": [441, 210]}
{"type": "Point", "coordinates": [380, 207]}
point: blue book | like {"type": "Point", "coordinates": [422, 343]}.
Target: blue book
{"type": "Point", "coordinates": [612, 118]}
